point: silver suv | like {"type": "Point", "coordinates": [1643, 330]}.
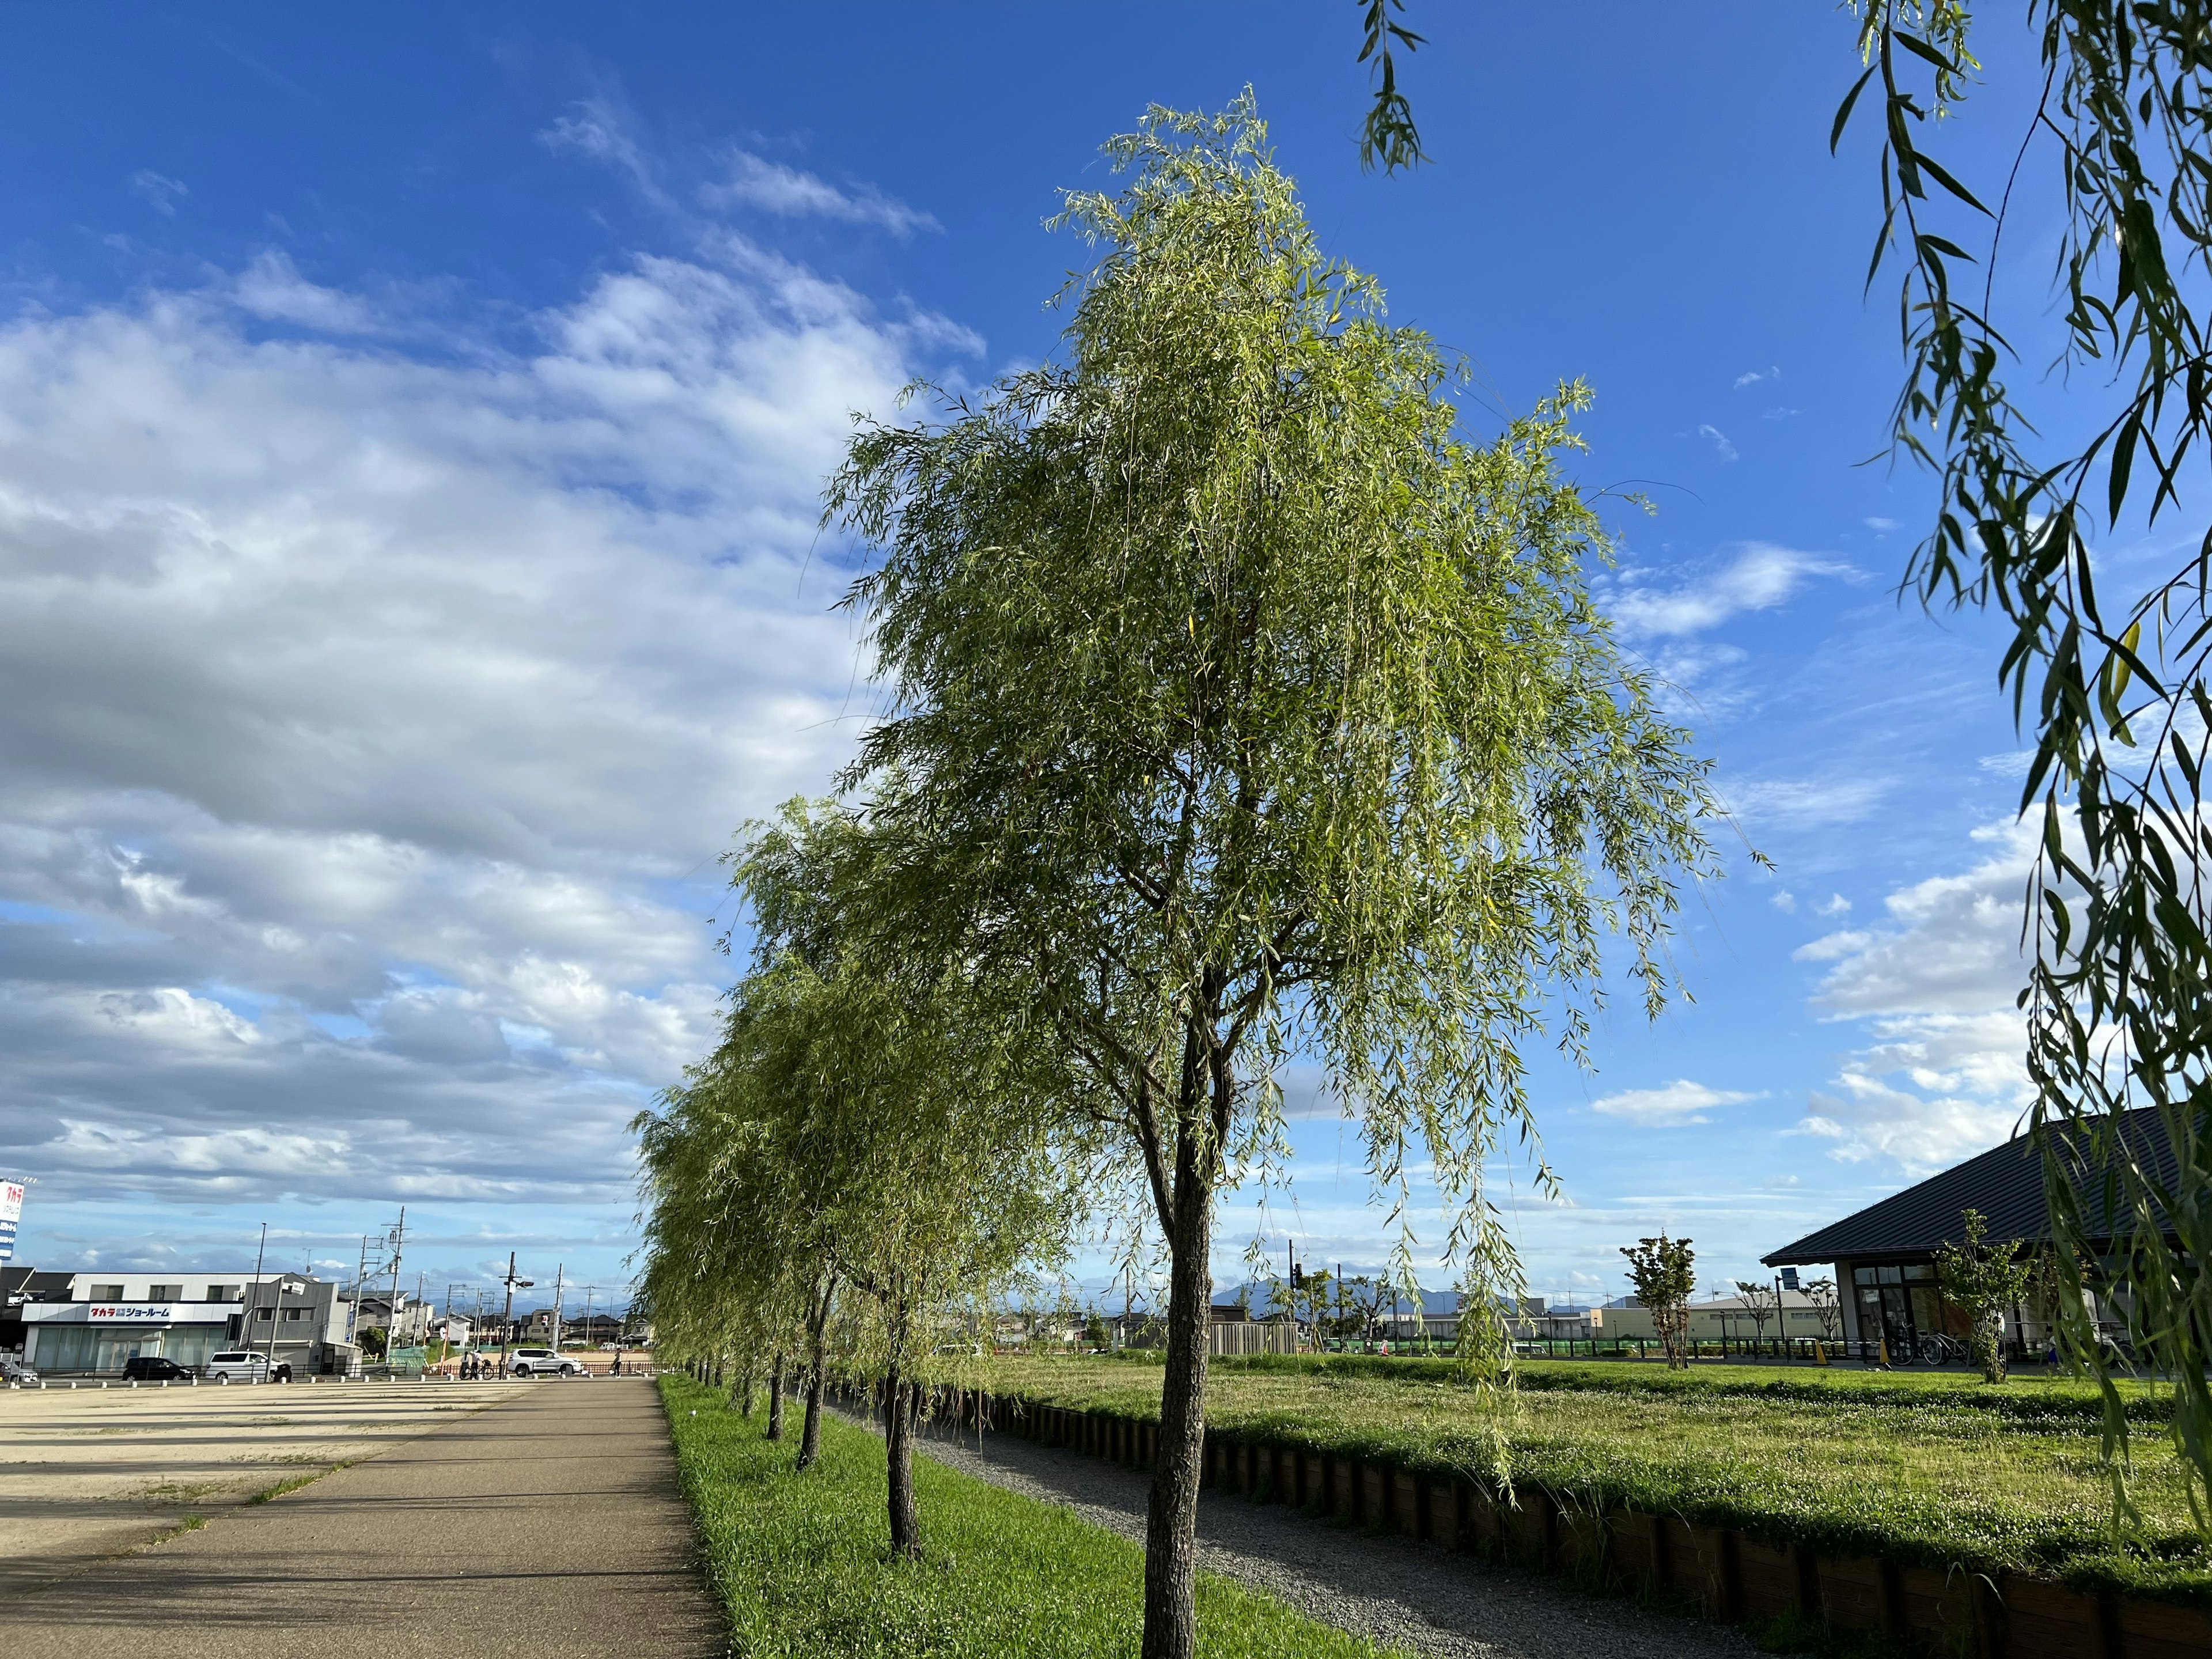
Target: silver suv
{"type": "Point", "coordinates": [542, 1362]}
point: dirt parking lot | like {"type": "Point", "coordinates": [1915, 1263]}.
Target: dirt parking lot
{"type": "Point", "coordinates": [88, 1473]}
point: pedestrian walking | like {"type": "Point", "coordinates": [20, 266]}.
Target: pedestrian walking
{"type": "Point", "coordinates": [617, 1371]}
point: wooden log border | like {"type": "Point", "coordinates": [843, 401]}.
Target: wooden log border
{"type": "Point", "coordinates": [1728, 1576]}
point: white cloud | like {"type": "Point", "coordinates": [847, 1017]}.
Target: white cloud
{"type": "Point", "coordinates": [1832, 947]}
{"type": "Point", "coordinates": [1719, 441]}
{"type": "Point", "coordinates": [1945, 1075]}
{"type": "Point", "coordinates": [2013, 765]}
{"type": "Point", "coordinates": [363, 716]}
{"type": "Point", "coordinates": [1669, 1105]}
{"type": "Point", "coordinates": [1785, 901]}
{"type": "Point", "coordinates": [1882, 527]}
{"type": "Point", "coordinates": [159, 191]}
{"type": "Point", "coordinates": [600, 128]}
{"type": "Point", "coordinates": [1761, 576]}
{"type": "Point", "coordinates": [272, 289]}
{"type": "Point", "coordinates": [1805, 803]}
{"type": "Point", "coordinates": [1779, 413]}
{"type": "Point", "coordinates": [1753, 377]}
{"type": "Point", "coordinates": [1834, 905]}
{"type": "Point", "coordinates": [755, 182]}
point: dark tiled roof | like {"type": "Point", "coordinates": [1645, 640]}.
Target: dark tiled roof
{"type": "Point", "coordinates": [2004, 1183]}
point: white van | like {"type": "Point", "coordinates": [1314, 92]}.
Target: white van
{"type": "Point", "coordinates": [237, 1364]}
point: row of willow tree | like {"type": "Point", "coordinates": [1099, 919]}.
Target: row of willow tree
{"type": "Point", "coordinates": [1235, 707]}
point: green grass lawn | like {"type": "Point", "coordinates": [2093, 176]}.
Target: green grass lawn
{"type": "Point", "coordinates": [1928, 1467]}
{"type": "Point", "coordinates": [802, 1562]}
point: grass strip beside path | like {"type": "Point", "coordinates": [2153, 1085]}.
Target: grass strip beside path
{"type": "Point", "coordinates": [802, 1562]}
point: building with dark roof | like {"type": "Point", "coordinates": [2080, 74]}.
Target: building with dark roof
{"type": "Point", "coordinates": [1884, 1254]}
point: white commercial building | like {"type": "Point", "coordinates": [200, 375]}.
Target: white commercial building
{"type": "Point", "coordinates": [110, 1317]}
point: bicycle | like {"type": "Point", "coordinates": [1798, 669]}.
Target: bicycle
{"type": "Point", "coordinates": [1935, 1348]}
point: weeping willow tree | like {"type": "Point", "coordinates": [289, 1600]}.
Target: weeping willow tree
{"type": "Point", "coordinates": [949, 1189]}
{"type": "Point", "coordinates": [866, 1131]}
{"type": "Point", "coordinates": [718, 1266]}
{"type": "Point", "coordinates": [1239, 706]}
{"type": "Point", "coordinates": [2111, 683]}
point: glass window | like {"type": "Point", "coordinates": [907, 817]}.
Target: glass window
{"type": "Point", "coordinates": [224, 1293]}
{"type": "Point", "coordinates": [108, 1293]}
{"type": "Point", "coordinates": [190, 1345]}
{"type": "Point", "coordinates": [166, 1293]}
{"type": "Point", "coordinates": [1927, 1308]}
{"type": "Point", "coordinates": [291, 1314]}
{"type": "Point", "coordinates": [1919, 1271]}
{"type": "Point", "coordinates": [62, 1347]}
{"type": "Point", "coordinates": [1863, 1276]}
{"type": "Point", "coordinates": [263, 1314]}
{"type": "Point", "coordinates": [1891, 1276]}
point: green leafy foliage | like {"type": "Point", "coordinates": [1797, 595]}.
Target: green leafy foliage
{"type": "Point", "coordinates": [804, 1567]}
{"type": "Point", "coordinates": [1389, 134]}
{"type": "Point", "coordinates": [1665, 1273]}
{"type": "Point", "coordinates": [857, 1128]}
{"type": "Point", "coordinates": [2113, 687]}
{"type": "Point", "coordinates": [1241, 707]}
{"type": "Point", "coordinates": [1984, 1278]}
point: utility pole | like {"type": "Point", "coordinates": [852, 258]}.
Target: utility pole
{"type": "Point", "coordinates": [506, 1319]}
{"type": "Point", "coordinates": [590, 1295]}
{"type": "Point", "coordinates": [559, 1268]}
{"type": "Point", "coordinates": [260, 1251]}
{"type": "Point", "coordinates": [353, 1309]}
{"type": "Point", "coordinates": [392, 1315]}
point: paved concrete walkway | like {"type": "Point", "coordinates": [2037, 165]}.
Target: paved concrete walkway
{"type": "Point", "coordinates": [551, 1523]}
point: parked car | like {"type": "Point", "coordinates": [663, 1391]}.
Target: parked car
{"type": "Point", "coordinates": [153, 1367]}
{"type": "Point", "coordinates": [13, 1370]}
{"type": "Point", "coordinates": [237, 1365]}
{"type": "Point", "coordinates": [542, 1362]}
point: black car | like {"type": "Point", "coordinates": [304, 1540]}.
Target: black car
{"type": "Point", "coordinates": [151, 1368]}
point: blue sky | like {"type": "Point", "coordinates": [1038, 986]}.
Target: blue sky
{"type": "Point", "coordinates": [410, 426]}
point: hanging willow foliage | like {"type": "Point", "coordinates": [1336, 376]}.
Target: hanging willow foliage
{"type": "Point", "coordinates": [2112, 687]}
{"type": "Point", "coordinates": [1240, 707]}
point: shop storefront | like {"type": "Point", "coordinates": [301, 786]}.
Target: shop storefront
{"type": "Point", "coordinates": [63, 1337]}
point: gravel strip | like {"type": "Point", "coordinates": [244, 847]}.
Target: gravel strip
{"type": "Point", "coordinates": [1392, 1590]}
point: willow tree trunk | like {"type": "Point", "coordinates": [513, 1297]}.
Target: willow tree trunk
{"type": "Point", "coordinates": [1171, 1519]}
{"type": "Point", "coordinates": [898, 1441]}
{"type": "Point", "coordinates": [747, 1382]}
{"type": "Point", "coordinates": [810, 1433]}
{"type": "Point", "coordinates": [776, 1399]}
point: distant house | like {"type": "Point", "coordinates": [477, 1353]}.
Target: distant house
{"type": "Point", "coordinates": [1884, 1254]}
{"type": "Point", "coordinates": [372, 1311]}
{"type": "Point", "coordinates": [591, 1329]}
